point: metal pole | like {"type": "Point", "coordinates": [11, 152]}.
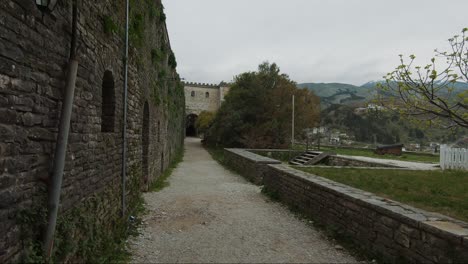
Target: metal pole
{"type": "Point", "coordinates": [292, 125]}
{"type": "Point", "coordinates": [62, 139]}
{"type": "Point", "coordinates": [124, 125]}
{"type": "Point", "coordinates": [59, 157]}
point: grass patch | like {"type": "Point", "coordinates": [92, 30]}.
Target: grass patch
{"type": "Point", "coordinates": [109, 25]}
{"type": "Point", "coordinates": [172, 60]}
{"type": "Point", "coordinates": [217, 154]}
{"type": "Point", "coordinates": [273, 195]}
{"type": "Point", "coordinates": [445, 192]}
{"type": "Point", "coordinates": [162, 182]}
{"type": "Point", "coordinates": [157, 56]}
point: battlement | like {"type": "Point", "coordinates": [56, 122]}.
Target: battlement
{"type": "Point", "coordinates": [206, 85]}
{"type": "Point", "coordinates": [203, 85]}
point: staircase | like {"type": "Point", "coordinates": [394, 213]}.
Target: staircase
{"type": "Point", "coordinates": [310, 158]}
{"type": "Point", "coordinates": [304, 158]}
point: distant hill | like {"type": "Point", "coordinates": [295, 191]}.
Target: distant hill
{"type": "Point", "coordinates": [342, 93]}
{"type": "Point", "coordinates": [460, 86]}
{"type": "Point", "coordinates": [339, 93]}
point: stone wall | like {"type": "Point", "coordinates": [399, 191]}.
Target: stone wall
{"type": "Point", "coordinates": [204, 97]}
{"type": "Point", "coordinates": [391, 231]}
{"type": "Point", "coordinates": [284, 155]}
{"type": "Point", "coordinates": [250, 165]}
{"type": "Point", "coordinates": [396, 150]}
{"type": "Point", "coordinates": [198, 101]}
{"type": "Point", "coordinates": [34, 51]}
{"type": "Point", "coordinates": [350, 162]}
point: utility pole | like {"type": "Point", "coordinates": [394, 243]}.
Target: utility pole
{"type": "Point", "coordinates": [124, 126]}
{"type": "Point", "coordinates": [292, 125]}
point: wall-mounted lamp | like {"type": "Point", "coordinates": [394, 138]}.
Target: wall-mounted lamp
{"type": "Point", "coordinates": [46, 4]}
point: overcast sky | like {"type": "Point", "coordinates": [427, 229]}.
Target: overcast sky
{"type": "Point", "coordinates": [349, 41]}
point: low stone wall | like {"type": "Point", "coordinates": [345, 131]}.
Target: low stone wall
{"type": "Point", "coordinates": [284, 155]}
{"type": "Point", "coordinates": [349, 162]}
{"type": "Point", "coordinates": [250, 165]}
{"type": "Point", "coordinates": [392, 231]}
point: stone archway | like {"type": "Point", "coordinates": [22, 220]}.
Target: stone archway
{"type": "Point", "coordinates": [190, 129]}
{"type": "Point", "coordinates": [145, 144]}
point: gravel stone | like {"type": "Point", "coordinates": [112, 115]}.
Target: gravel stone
{"type": "Point", "coordinates": [209, 214]}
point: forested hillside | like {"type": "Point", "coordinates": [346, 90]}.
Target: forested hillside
{"type": "Point", "coordinates": [387, 127]}
{"type": "Point", "coordinates": [343, 93]}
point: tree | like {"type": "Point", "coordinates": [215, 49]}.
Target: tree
{"type": "Point", "coordinates": [428, 95]}
{"type": "Point", "coordinates": [257, 111]}
{"type": "Point", "coordinates": [204, 121]}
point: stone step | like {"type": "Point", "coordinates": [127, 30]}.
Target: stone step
{"type": "Point", "coordinates": [295, 163]}
{"type": "Point", "coordinates": [301, 159]}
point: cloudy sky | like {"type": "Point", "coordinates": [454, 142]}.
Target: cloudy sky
{"type": "Point", "coordinates": [349, 41]}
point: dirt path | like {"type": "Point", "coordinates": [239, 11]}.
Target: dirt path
{"type": "Point", "coordinates": [209, 214]}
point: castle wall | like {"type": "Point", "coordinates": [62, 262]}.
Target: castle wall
{"type": "Point", "coordinates": [200, 102]}
{"type": "Point", "coordinates": [196, 97]}
{"type": "Point", "coordinates": [34, 50]}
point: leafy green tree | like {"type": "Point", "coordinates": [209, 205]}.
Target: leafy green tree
{"type": "Point", "coordinates": [427, 95]}
{"type": "Point", "coordinates": [257, 111]}
{"type": "Point", "coordinates": [204, 121]}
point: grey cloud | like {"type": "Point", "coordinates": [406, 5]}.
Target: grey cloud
{"type": "Point", "coordinates": [350, 41]}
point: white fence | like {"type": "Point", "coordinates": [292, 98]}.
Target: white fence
{"type": "Point", "coordinates": [453, 158]}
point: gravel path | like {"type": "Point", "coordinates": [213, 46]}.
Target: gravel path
{"type": "Point", "coordinates": [209, 214]}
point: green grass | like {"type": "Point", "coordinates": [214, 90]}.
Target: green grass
{"type": "Point", "coordinates": [109, 25]}
{"type": "Point", "coordinates": [370, 153]}
{"type": "Point", "coordinates": [162, 182]}
{"type": "Point", "coordinates": [445, 192]}
{"type": "Point", "coordinates": [216, 153]}
{"type": "Point", "coordinates": [284, 156]}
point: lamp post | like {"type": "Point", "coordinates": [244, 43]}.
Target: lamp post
{"type": "Point", "coordinates": [292, 124]}
{"type": "Point", "coordinates": [46, 4]}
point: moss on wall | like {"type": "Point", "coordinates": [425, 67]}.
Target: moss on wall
{"type": "Point", "coordinates": [91, 232]}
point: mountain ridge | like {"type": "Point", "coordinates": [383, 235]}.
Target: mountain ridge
{"type": "Point", "coordinates": [344, 93]}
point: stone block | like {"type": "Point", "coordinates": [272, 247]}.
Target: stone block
{"type": "Point", "coordinates": [30, 119]}
{"type": "Point", "coordinates": [383, 230]}
{"type": "Point", "coordinates": [23, 86]}
{"type": "Point", "coordinates": [434, 241]}
{"type": "Point", "coordinates": [448, 231]}
{"type": "Point", "coordinates": [11, 51]}
{"type": "Point", "coordinates": [7, 133]}
{"type": "Point", "coordinates": [402, 239]}
{"type": "Point", "coordinates": [40, 77]}
{"type": "Point", "coordinates": [8, 116]}
{"type": "Point", "coordinates": [387, 221]}
{"type": "Point", "coordinates": [39, 133]}
{"type": "Point", "coordinates": [410, 231]}
{"type": "Point", "coordinates": [7, 198]}
{"type": "Point", "coordinates": [5, 82]}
